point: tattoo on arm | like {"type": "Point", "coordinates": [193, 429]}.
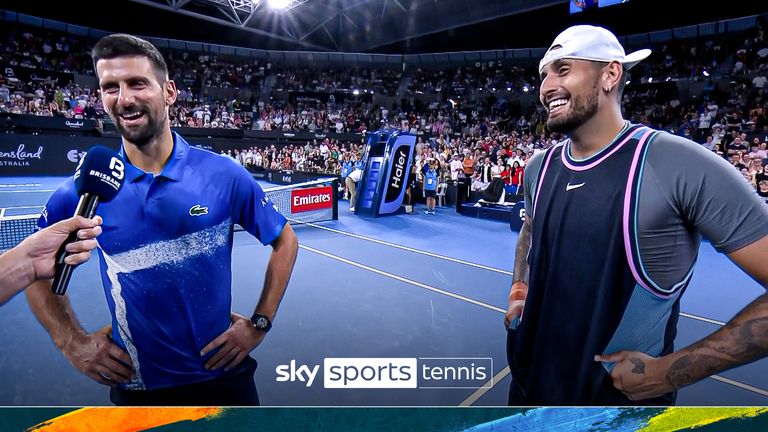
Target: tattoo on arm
{"type": "Point", "coordinates": [742, 340]}
{"type": "Point", "coordinates": [521, 252]}
{"type": "Point", "coordinates": [639, 366]}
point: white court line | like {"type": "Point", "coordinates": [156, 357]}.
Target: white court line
{"type": "Point", "coordinates": [706, 320]}
{"type": "Point", "coordinates": [459, 261]}
{"type": "Point", "coordinates": [19, 217]}
{"type": "Point", "coordinates": [28, 191]}
{"type": "Point", "coordinates": [497, 309]}
{"type": "Point", "coordinates": [410, 249]}
{"type": "Point", "coordinates": [740, 385]}
{"type": "Point", "coordinates": [3, 210]}
{"type": "Point", "coordinates": [402, 279]}
{"type": "Point", "coordinates": [23, 207]}
{"type": "Point", "coordinates": [481, 391]}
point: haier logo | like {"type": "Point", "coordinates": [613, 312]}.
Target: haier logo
{"type": "Point", "coordinates": [398, 174]}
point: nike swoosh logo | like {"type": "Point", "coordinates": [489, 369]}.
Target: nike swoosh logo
{"type": "Point", "coordinates": [570, 187]}
{"type": "Point", "coordinates": [197, 210]}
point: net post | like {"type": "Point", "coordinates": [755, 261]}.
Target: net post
{"type": "Point", "coordinates": [335, 198]}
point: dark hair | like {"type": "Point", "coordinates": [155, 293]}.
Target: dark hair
{"type": "Point", "coordinates": [121, 44]}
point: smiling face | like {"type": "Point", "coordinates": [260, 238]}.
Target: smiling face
{"type": "Point", "coordinates": [135, 99]}
{"type": "Point", "coordinates": [570, 90]}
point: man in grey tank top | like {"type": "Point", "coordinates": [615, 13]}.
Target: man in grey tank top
{"type": "Point", "coordinates": [652, 212]}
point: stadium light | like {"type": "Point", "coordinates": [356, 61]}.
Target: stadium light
{"type": "Point", "coordinates": [706, 74]}
{"type": "Point", "coordinates": [628, 81]}
{"type": "Point", "coordinates": [355, 92]}
{"type": "Point", "coordinates": [650, 80]}
{"type": "Point", "coordinates": [278, 4]}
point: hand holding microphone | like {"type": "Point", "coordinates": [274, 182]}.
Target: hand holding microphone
{"type": "Point", "coordinates": [98, 178]}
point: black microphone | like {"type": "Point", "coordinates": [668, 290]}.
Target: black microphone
{"type": "Point", "coordinates": [98, 178]}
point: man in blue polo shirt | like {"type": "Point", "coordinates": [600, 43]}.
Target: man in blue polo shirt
{"type": "Point", "coordinates": [346, 168]}
{"type": "Point", "coordinates": [165, 254]}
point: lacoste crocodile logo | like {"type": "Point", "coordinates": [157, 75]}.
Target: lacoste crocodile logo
{"type": "Point", "coordinates": [197, 210]}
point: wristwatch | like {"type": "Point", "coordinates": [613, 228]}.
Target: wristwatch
{"type": "Point", "coordinates": [261, 322]}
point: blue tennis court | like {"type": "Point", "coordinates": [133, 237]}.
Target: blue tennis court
{"type": "Point", "coordinates": [405, 286]}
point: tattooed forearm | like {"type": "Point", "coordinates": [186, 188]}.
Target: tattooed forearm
{"type": "Point", "coordinates": [742, 340]}
{"type": "Point", "coordinates": [521, 252]}
{"type": "Point", "coordinates": [682, 372]}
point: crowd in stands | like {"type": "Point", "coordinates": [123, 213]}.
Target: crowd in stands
{"type": "Point", "coordinates": [476, 118]}
{"type": "Point", "coordinates": [327, 156]}
{"type": "Point", "coordinates": [484, 77]}
{"type": "Point", "coordinates": [226, 115]}
{"type": "Point", "coordinates": [44, 50]}
{"type": "Point", "coordinates": [201, 71]}
{"type": "Point", "coordinates": [31, 64]}
{"type": "Point", "coordinates": [382, 81]}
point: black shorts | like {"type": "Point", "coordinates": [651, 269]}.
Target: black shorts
{"type": "Point", "coordinates": [235, 388]}
{"type": "Point", "coordinates": [429, 193]}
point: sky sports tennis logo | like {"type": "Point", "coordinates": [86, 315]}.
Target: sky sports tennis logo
{"type": "Point", "coordinates": [392, 373]}
{"type": "Point", "coordinates": [316, 198]}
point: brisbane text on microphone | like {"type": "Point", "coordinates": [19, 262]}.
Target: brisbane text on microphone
{"type": "Point", "coordinates": [106, 178]}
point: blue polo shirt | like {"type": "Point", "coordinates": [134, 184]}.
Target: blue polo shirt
{"type": "Point", "coordinates": [346, 168]}
{"type": "Point", "coordinates": [165, 257]}
{"type": "Point", "coordinates": [430, 180]}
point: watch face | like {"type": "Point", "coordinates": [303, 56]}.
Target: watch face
{"type": "Point", "coordinates": [261, 323]}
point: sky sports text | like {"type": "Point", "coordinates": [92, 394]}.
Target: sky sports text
{"type": "Point", "coordinates": [392, 373]}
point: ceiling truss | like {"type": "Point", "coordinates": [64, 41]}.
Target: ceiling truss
{"type": "Point", "coordinates": [345, 25]}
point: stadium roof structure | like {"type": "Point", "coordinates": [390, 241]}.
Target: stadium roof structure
{"type": "Point", "coordinates": [370, 26]}
{"type": "Point", "coordinates": [346, 25]}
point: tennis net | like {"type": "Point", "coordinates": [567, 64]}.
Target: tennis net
{"type": "Point", "coordinates": [312, 201]}
{"type": "Point", "coordinates": [14, 229]}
